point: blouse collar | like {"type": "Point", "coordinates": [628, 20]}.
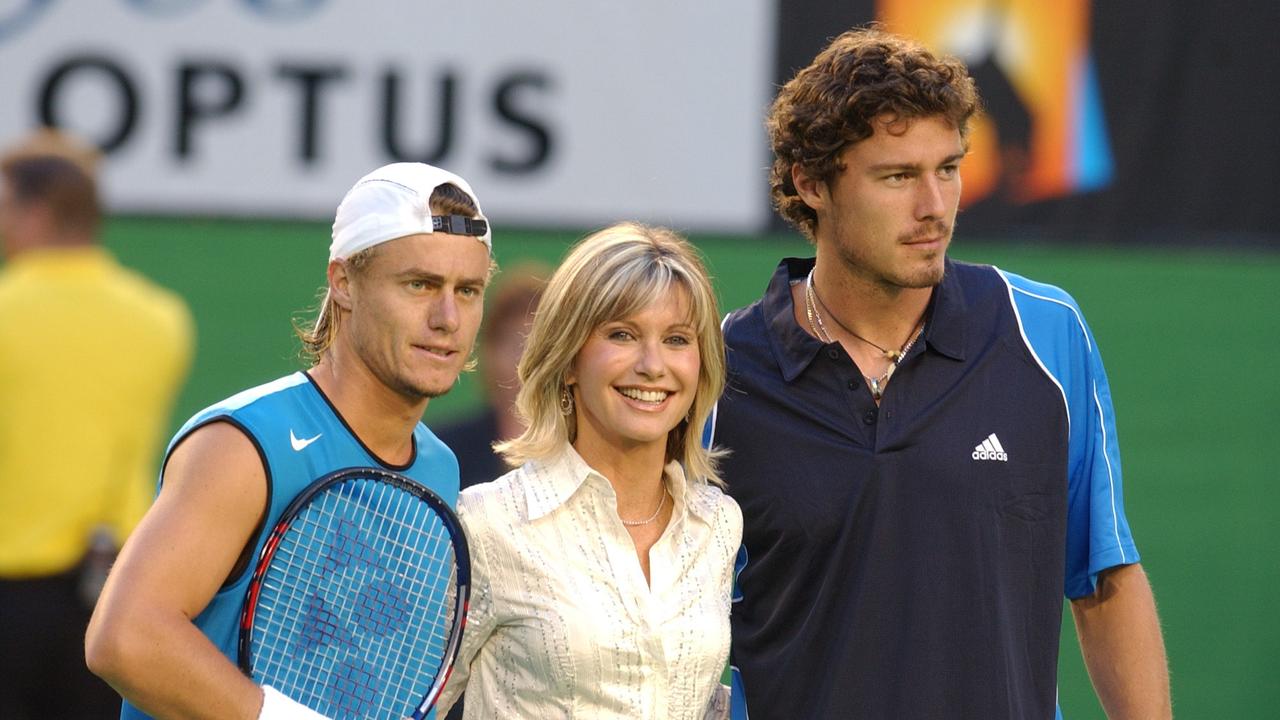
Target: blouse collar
{"type": "Point", "coordinates": [550, 483]}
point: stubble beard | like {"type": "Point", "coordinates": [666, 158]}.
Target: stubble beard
{"type": "Point", "coordinates": [416, 390]}
{"type": "Point", "coordinates": [892, 282]}
{"type": "Point", "coordinates": [398, 379]}
{"type": "Point", "coordinates": [416, 393]}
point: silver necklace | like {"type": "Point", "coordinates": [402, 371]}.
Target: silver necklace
{"type": "Point", "coordinates": [876, 384]}
{"type": "Point", "coordinates": [661, 502]}
{"type": "Point", "coordinates": [811, 310]}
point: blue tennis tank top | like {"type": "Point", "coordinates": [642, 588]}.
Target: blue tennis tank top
{"type": "Point", "coordinates": [301, 438]}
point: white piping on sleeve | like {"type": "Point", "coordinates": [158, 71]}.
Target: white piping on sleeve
{"type": "Point", "coordinates": [1097, 402]}
{"type": "Point", "coordinates": [1079, 320]}
{"type": "Point", "coordinates": [1026, 341]}
{"type": "Point", "coordinates": [1111, 480]}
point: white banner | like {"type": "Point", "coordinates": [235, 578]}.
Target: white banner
{"type": "Point", "coordinates": [559, 113]}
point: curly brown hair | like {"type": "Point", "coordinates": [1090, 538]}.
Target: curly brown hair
{"type": "Point", "coordinates": [863, 77]}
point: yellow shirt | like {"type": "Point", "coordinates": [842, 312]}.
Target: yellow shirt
{"type": "Point", "coordinates": [91, 358]}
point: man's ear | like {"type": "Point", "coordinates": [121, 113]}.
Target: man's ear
{"type": "Point", "coordinates": [339, 274]}
{"type": "Point", "coordinates": [812, 191]}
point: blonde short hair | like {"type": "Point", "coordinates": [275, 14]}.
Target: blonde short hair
{"type": "Point", "coordinates": [610, 275]}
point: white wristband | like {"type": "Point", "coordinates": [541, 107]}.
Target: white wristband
{"type": "Point", "coordinates": [275, 706]}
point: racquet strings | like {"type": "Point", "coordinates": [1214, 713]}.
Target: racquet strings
{"type": "Point", "coordinates": [357, 606]}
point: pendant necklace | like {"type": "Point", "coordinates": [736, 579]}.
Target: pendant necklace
{"type": "Point", "coordinates": [812, 303]}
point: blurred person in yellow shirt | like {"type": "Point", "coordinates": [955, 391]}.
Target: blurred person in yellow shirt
{"type": "Point", "coordinates": [92, 356]}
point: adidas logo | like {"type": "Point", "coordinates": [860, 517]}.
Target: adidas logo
{"type": "Point", "coordinates": [990, 449]}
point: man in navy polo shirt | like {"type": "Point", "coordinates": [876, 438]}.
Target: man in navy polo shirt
{"type": "Point", "coordinates": [924, 450]}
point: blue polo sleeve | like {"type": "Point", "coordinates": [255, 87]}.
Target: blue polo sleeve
{"type": "Point", "coordinates": [1057, 335]}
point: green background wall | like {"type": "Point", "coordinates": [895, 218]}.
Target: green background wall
{"type": "Point", "coordinates": [1191, 346]}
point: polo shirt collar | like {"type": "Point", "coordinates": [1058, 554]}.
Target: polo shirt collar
{"type": "Point", "coordinates": [551, 482]}
{"type": "Point", "coordinates": [948, 317]}
{"type": "Point", "coordinates": [794, 348]}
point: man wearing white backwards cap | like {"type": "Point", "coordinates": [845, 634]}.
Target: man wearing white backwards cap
{"type": "Point", "coordinates": [408, 266]}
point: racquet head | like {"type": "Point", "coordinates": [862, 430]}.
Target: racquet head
{"type": "Point", "coordinates": [357, 603]}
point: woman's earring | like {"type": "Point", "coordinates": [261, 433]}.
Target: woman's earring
{"type": "Point", "coordinates": [566, 400]}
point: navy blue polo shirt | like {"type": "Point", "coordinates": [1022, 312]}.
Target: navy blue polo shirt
{"type": "Point", "coordinates": [910, 560]}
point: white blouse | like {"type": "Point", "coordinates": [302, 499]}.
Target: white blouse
{"type": "Point", "coordinates": [562, 623]}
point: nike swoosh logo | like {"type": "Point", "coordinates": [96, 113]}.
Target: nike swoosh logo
{"type": "Point", "coordinates": [299, 445]}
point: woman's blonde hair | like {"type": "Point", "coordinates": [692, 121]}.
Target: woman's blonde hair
{"type": "Point", "coordinates": [611, 275]}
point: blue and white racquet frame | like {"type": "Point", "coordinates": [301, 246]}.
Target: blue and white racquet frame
{"type": "Point", "coordinates": [357, 604]}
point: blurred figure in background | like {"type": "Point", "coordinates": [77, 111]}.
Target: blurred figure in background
{"type": "Point", "coordinates": [507, 322]}
{"type": "Point", "coordinates": [92, 356]}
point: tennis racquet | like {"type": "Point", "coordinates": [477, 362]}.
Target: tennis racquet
{"type": "Point", "coordinates": [358, 601]}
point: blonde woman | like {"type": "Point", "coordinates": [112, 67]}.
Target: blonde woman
{"type": "Point", "coordinates": [603, 563]}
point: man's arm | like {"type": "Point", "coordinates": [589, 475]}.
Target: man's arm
{"type": "Point", "coordinates": [141, 639]}
{"type": "Point", "coordinates": [1122, 645]}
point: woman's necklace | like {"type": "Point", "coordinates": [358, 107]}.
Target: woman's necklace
{"type": "Point", "coordinates": [662, 501]}
{"type": "Point", "coordinates": [812, 303]}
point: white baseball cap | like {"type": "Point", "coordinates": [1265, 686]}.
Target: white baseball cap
{"type": "Point", "coordinates": [395, 201]}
